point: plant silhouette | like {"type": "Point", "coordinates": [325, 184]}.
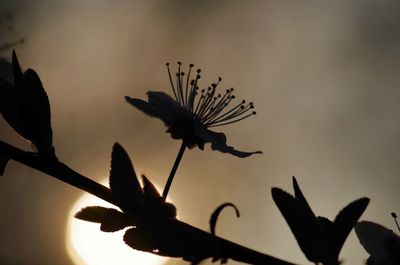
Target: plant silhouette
{"type": "Point", "coordinates": [382, 244]}
{"type": "Point", "coordinates": [319, 238]}
{"type": "Point", "coordinates": [152, 222]}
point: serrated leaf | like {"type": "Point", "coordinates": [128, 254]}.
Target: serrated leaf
{"type": "Point", "coordinates": [123, 180]}
{"type": "Point", "coordinates": [298, 194]}
{"type": "Point", "coordinates": [149, 190]}
{"type": "Point", "coordinates": [36, 112]}
{"type": "Point", "coordinates": [301, 223]}
{"type": "Point", "coordinates": [216, 213]}
{"type": "Point", "coordinates": [25, 106]}
{"type": "Point", "coordinates": [142, 240]}
{"type": "Point", "coordinates": [3, 164]}
{"type": "Point", "coordinates": [379, 241]}
{"type": "Point", "coordinates": [154, 203]}
{"type": "Point", "coordinates": [95, 214]}
{"type": "Point", "coordinates": [114, 221]}
{"type": "Point", "coordinates": [111, 220]}
{"type": "Point", "coordinates": [345, 221]}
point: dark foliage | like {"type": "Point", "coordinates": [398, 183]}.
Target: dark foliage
{"type": "Point", "coordinates": [25, 106]}
{"type": "Point", "coordinates": [319, 238]}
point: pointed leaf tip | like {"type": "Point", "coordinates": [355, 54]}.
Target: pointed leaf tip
{"type": "Point", "coordinates": [17, 71]}
{"type": "Point", "coordinates": [149, 189]}
{"type": "Point", "coordinates": [123, 180]}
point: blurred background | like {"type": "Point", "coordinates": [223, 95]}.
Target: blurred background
{"type": "Point", "coordinates": [323, 76]}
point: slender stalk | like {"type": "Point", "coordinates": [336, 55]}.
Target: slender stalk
{"type": "Point", "coordinates": [173, 171]}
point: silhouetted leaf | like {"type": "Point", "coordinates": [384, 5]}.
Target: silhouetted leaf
{"type": "Point", "coordinates": [319, 238]}
{"type": "Point", "coordinates": [25, 106]}
{"type": "Point", "coordinates": [126, 188]}
{"type": "Point", "coordinates": [302, 223]}
{"type": "Point", "coordinates": [216, 213]}
{"type": "Point", "coordinates": [381, 243]}
{"type": "Point", "coordinates": [111, 220]}
{"type": "Point", "coordinates": [36, 111]}
{"type": "Point", "coordinates": [149, 190]}
{"type": "Point", "coordinates": [141, 240]}
{"type": "Point", "coordinates": [3, 164]}
{"type": "Point", "coordinates": [345, 221]}
{"type": "Point", "coordinates": [123, 180]}
{"type": "Point", "coordinates": [154, 202]}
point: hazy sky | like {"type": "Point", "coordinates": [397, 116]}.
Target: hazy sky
{"type": "Point", "coordinates": [323, 77]}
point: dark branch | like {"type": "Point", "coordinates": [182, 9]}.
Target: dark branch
{"type": "Point", "coordinates": [53, 167]}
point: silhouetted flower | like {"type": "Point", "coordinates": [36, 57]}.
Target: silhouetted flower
{"type": "Point", "coordinates": [381, 243]}
{"type": "Point", "coordinates": [319, 238]}
{"type": "Point", "coordinates": [193, 111]}
{"type": "Point", "coordinates": [26, 108]}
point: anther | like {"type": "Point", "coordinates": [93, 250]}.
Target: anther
{"type": "Point", "coordinates": [219, 79]}
{"type": "Point", "coordinates": [198, 71]}
{"type": "Point", "coordinates": [394, 215]}
{"type": "Point", "coordinates": [191, 65]}
{"type": "Point", "coordinates": [254, 113]}
{"type": "Point", "coordinates": [179, 63]}
{"type": "Point", "coordinates": [167, 64]}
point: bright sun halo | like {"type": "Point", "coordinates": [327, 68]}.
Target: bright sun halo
{"type": "Point", "coordinates": [87, 245]}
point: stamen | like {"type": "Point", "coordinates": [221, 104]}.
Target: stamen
{"type": "Point", "coordinates": [187, 86]}
{"type": "Point", "coordinates": [223, 102]}
{"type": "Point", "coordinates": [200, 101]}
{"type": "Point", "coordinates": [237, 111]}
{"type": "Point", "coordinates": [208, 106]}
{"type": "Point", "coordinates": [207, 102]}
{"type": "Point", "coordinates": [394, 215]}
{"type": "Point", "coordinates": [242, 118]}
{"type": "Point", "coordinates": [170, 80]}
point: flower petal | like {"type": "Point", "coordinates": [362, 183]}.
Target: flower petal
{"type": "Point", "coordinates": [150, 110]}
{"type": "Point", "coordinates": [162, 106]}
{"type": "Point", "coordinates": [218, 141]}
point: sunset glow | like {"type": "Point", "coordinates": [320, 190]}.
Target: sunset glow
{"type": "Point", "coordinates": [87, 245]}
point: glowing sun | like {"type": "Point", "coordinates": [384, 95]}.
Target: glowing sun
{"type": "Point", "coordinates": [87, 245]}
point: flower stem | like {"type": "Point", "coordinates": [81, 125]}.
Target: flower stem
{"type": "Point", "coordinates": [173, 171]}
